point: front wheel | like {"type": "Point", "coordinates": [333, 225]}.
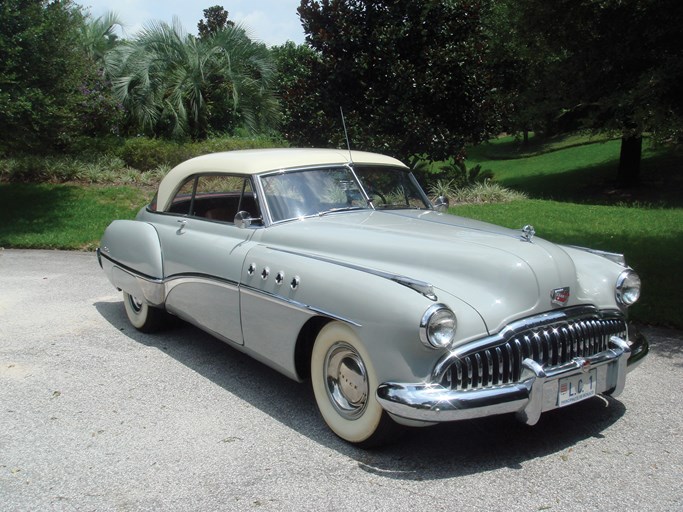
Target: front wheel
{"type": "Point", "coordinates": [141, 315]}
{"type": "Point", "coordinates": [344, 384]}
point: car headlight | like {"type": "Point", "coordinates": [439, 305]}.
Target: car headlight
{"type": "Point", "coordinates": [437, 328]}
{"type": "Point", "coordinates": [628, 288]}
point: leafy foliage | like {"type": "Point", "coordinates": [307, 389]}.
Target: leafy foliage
{"type": "Point", "coordinates": [52, 87]}
{"type": "Point", "coordinates": [98, 35]}
{"type": "Point", "coordinates": [41, 69]}
{"type": "Point", "coordinates": [136, 160]}
{"type": "Point", "coordinates": [451, 174]}
{"type": "Point", "coordinates": [174, 84]}
{"type": "Point", "coordinates": [146, 154]}
{"type": "Point", "coordinates": [303, 122]}
{"type": "Point", "coordinates": [474, 193]}
{"type": "Point", "coordinates": [216, 20]}
{"type": "Point", "coordinates": [608, 65]}
{"type": "Point", "coordinates": [410, 74]}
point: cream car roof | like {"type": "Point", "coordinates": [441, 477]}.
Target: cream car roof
{"type": "Point", "coordinates": [255, 161]}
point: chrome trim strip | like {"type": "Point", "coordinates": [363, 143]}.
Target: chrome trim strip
{"type": "Point", "coordinates": [616, 257]}
{"type": "Point", "coordinates": [536, 392]}
{"type": "Point", "coordinates": [422, 287]}
{"type": "Point", "coordinates": [179, 279]}
{"type": "Point", "coordinates": [126, 268]}
{"type": "Point", "coordinates": [156, 290]}
{"type": "Point", "coordinates": [296, 304]}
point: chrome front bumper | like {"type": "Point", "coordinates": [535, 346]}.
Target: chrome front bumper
{"type": "Point", "coordinates": [537, 390]}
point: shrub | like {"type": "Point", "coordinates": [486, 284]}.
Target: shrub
{"type": "Point", "coordinates": [93, 147]}
{"type": "Point", "coordinates": [454, 172]}
{"type": "Point", "coordinates": [144, 154]}
{"type": "Point", "coordinates": [142, 160]}
{"type": "Point", "coordinates": [443, 188]}
{"type": "Point", "coordinates": [486, 192]}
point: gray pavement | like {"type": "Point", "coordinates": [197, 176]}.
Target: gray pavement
{"type": "Point", "coordinates": [96, 416]}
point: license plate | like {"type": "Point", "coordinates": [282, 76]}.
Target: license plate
{"type": "Point", "coordinates": [576, 388]}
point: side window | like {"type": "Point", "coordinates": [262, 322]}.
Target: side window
{"type": "Point", "coordinates": [183, 198]}
{"type": "Point", "coordinates": [215, 197]}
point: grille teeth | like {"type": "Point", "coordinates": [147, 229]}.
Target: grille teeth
{"type": "Point", "coordinates": [549, 345]}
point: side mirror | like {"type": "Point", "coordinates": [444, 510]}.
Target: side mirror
{"type": "Point", "coordinates": [243, 219]}
{"type": "Point", "coordinates": [441, 204]}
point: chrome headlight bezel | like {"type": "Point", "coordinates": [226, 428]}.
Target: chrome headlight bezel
{"type": "Point", "coordinates": [627, 288]}
{"type": "Point", "coordinates": [438, 326]}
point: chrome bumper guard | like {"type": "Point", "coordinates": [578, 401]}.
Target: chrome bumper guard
{"type": "Point", "coordinates": [537, 390]}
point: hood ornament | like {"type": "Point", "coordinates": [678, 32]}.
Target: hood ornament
{"type": "Point", "coordinates": [528, 233]}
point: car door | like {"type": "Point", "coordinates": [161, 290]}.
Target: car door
{"type": "Point", "coordinates": [203, 251]}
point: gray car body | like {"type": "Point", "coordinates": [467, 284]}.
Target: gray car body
{"type": "Point", "coordinates": [259, 288]}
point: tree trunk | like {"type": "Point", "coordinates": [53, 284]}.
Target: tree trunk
{"type": "Point", "coordinates": [628, 174]}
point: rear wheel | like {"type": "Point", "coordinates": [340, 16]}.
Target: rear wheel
{"type": "Point", "coordinates": [142, 316]}
{"type": "Point", "coordinates": [344, 384]}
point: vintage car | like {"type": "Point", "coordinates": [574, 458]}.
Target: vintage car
{"type": "Point", "coordinates": [334, 266]}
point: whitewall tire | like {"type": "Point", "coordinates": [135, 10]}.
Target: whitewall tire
{"type": "Point", "coordinates": [141, 315]}
{"type": "Point", "coordinates": [344, 384]}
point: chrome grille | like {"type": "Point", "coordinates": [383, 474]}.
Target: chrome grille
{"type": "Point", "coordinates": [551, 344]}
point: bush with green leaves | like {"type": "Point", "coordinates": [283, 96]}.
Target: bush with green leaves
{"type": "Point", "coordinates": [138, 160]}
{"type": "Point", "coordinates": [485, 192]}
{"type": "Point", "coordinates": [454, 172]}
{"type": "Point", "coordinates": [144, 153]}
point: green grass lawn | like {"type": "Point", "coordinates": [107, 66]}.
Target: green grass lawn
{"type": "Point", "coordinates": [580, 169]}
{"type": "Point", "coordinates": [62, 216]}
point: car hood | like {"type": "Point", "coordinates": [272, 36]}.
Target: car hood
{"type": "Point", "coordinates": [491, 268]}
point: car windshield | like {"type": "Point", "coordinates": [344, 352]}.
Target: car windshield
{"type": "Point", "coordinates": [296, 194]}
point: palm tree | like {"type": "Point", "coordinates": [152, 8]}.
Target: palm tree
{"type": "Point", "coordinates": [173, 83]}
{"type": "Point", "coordinates": [98, 35]}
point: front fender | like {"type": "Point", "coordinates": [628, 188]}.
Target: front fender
{"type": "Point", "coordinates": [282, 290]}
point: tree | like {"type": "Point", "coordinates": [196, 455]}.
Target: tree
{"type": "Point", "coordinates": [410, 74]}
{"type": "Point", "coordinates": [216, 20]}
{"type": "Point", "coordinates": [174, 84]}
{"type": "Point", "coordinates": [98, 35]}
{"type": "Point", "coordinates": [517, 66]}
{"type": "Point", "coordinates": [608, 65]}
{"type": "Point", "coordinates": [41, 70]}
{"type": "Point", "coordinates": [303, 122]}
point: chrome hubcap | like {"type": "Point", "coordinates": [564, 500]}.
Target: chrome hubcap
{"type": "Point", "coordinates": [346, 380]}
{"type": "Point", "coordinates": [135, 303]}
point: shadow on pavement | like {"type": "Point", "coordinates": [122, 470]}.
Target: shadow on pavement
{"type": "Point", "coordinates": [666, 343]}
{"type": "Point", "coordinates": [441, 451]}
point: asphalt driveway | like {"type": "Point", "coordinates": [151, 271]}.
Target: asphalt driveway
{"type": "Point", "coordinates": [96, 416]}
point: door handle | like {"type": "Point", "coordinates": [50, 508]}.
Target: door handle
{"type": "Point", "coordinates": [182, 223]}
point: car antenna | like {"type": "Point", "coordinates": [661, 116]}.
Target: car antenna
{"type": "Point", "coordinates": [346, 135]}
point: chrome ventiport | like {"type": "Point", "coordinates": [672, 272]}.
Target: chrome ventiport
{"type": "Point", "coordinates": [265, 273]}
{"type": "Point", "coordinates": [251, 269]}
{"type": "Point", "coordinates": [280, 277]}
{"type": "Point", "coordinates": [294, 284]}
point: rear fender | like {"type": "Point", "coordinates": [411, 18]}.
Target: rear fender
{"type": "Point", "coordinates": [131, 258]}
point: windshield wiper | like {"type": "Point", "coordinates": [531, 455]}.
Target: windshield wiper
{"type": "Point", "coordinates": [342, 209]}
{"type": "Point", "coordinates": [397, 207]}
